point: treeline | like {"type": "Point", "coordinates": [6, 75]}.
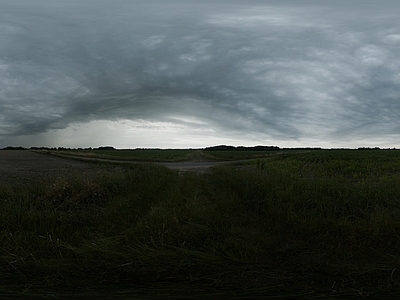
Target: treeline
{"type": "Point", "coordinates": [276, 148]}
{"type": "Point", "coordinates": [212, 148]}
{"type": "Point", "coordinates": [57, 148]}
{"type": "Point", "coordinates": [242, 148]}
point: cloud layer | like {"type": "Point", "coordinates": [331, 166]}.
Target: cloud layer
{"type": "Point", "coordinates": [193, 73]}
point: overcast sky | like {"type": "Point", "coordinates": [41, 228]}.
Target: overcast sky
{"type": "Point", "coordinates": [196, 73]}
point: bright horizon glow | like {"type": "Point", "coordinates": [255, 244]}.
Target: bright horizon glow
{"type": "Point", "coordinates": [145, 133]}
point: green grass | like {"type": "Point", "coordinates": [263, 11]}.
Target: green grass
{"type": "Point", "coordinates": [321, 222]}
{"type": "Point", "coordinates": [148, 155]}
{"type": "Point", "coordinates": [163, 155]}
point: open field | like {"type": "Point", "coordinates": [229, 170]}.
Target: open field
{"type": "Point", "coordinates": [293, 224]}
{"type": "Point", "coordinates": [154, 155]}
{"type": "Point", "coordinates": [163, 155]}
{"type": "Point", "coordinates": [22, 167]}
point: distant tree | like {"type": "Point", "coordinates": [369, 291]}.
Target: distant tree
{"type": "Point", "coordinates": [105, 148]}
{"type": "Point", "coordinates": [242, 148]}
{"type": "Point", "coordinates": [14, 148]}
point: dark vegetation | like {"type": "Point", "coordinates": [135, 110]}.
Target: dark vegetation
{"type": "Point", "coordinates": [216, 153]}
{"type": "Point", "coordinates": [242, 148]}
{"type": "Point", "coordinates": [213, 153]}
{"type": "Point", "coordinates": [322, 222]}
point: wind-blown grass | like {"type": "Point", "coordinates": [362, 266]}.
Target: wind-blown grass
{"type": "Point", "coordinates": [299, 224]}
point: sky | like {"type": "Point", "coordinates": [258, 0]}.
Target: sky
{"type": "Point", "coordinates": [199, 73]}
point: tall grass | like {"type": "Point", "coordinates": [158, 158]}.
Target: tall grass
{"type": "Point", "coordinates": [320, 223]}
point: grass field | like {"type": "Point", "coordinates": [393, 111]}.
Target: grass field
{"type": "Point", "coordinates": [164, 155]}
{"type": "Point", "coordinates": [131, 154]}
{"type": "Point", "coordinates": [315, 223]}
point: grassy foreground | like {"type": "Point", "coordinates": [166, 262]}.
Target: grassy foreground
{"type": "Point", "coordinates": [316, 223]}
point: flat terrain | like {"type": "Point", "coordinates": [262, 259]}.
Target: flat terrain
{"type": "Point", "coordinates": [312, 224]}
{"type": "Point", "coordinates": [190, 165]}
{"type": "Point", "coordinates": [20, 166]}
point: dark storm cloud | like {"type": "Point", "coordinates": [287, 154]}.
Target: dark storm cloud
{"type": "Point", "coordinates": [323, 70]}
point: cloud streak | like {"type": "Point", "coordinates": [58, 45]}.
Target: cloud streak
{"type": "Point", "coordinates": [260, 72]}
